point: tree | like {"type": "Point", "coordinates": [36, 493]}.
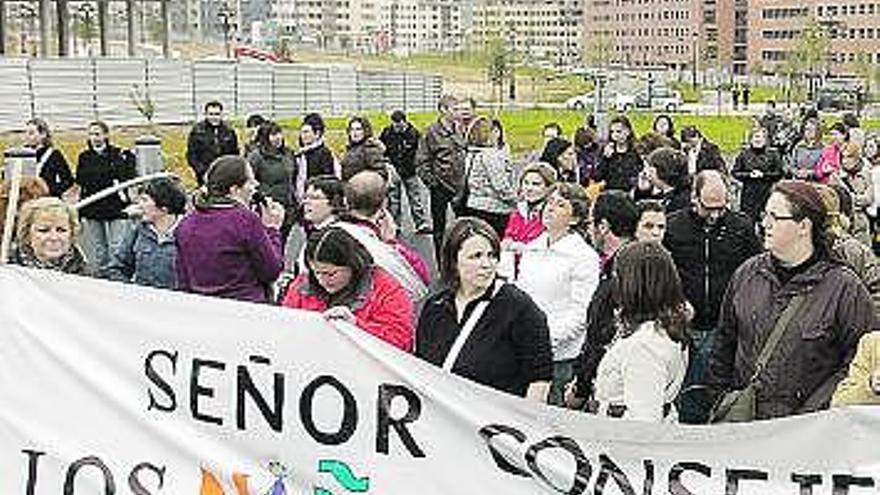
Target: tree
{"type": "Point", "coordinates": [598, 50]}
{"type": "Point", "coordinates": [500, 66]}
{"type": "Point", "coordinates": [810, 52]}
{"type": "Point", "coordinates": [868, 71]}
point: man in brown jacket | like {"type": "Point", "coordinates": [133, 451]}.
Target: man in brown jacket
{"type": "Point", "coordinates": [440, 160]}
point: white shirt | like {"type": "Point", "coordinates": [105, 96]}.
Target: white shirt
{"type": "Point", "coordinates": [642, 372]}
{"type": "Point", "coordinates": [561, 278]}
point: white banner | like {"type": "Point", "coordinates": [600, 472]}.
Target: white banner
{"type": "Point", "coordinates": [115, 389]}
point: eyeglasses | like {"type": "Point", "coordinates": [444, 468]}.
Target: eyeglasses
{"type": "Point", "coordinates": [770, 217]}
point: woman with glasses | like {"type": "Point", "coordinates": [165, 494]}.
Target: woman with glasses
{"type": "Point", "coordinates": [344, 284]}
{"type": "Point", "coordinates": [826, 307]}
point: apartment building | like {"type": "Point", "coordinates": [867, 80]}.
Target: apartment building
{"type": "Point", "coordinates": [852, 28]}
{"type": "Point", "coordinates": [674, 33]}
{"type": "Point", "coordinates": [424, 26]}
{"type": "Point", "coordinates": [549, 30]}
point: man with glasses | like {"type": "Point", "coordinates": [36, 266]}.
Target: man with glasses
{"type": "Point", "coordinates": [708, 242]}
{"type": "Point", "coordinates": [210, 139]}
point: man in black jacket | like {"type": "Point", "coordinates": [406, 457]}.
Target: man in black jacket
{"type": "Point", "coordinates": [613, 220]}
{"type": "Point", "coordinates": [209, 139]}
{"type": "Point", "coordinates": [401, 142]}
{"type": "Point", "coordinates": [702, 154]}
{"type": "Point", "coordinates": [708, 242]}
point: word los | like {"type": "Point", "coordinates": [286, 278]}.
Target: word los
{"type": "Point", "coordinates": [163, 397]}
{"type": "Point", "coordinates": [135, 483]}
{"type": "Point", "coordinates": [610, 472]}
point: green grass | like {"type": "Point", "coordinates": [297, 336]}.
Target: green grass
{"type": "Point", "coordinates": [522, 129]}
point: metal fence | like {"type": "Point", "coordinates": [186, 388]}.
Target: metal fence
{"type": "Point", "coordinates": [71, 92]}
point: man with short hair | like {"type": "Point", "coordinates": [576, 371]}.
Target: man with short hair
{"type": "Point", "coordinates": [440, 161]}
{"type": "Point", "coordinates": [210, 139]}
{"type": "Point", "coordinates": [401, 140]}
{"type": "Point", "coordinates": [613, 220]}
{"type": "Point", "coordinates": [366, 196]}
{"type": "Point", "coordinates": [702, 154]}
{"type": "Point", "coordinates": [708, 242]}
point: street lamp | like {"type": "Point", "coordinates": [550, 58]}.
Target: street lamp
{"type": "Point", "coordinates": [29, 14]}
{"type": "Point", "coordinates": [86, 11]}
{"type": "Point", "coordinates": [694, 49]}
{"type": "Point", "coordinates": [226, 16]}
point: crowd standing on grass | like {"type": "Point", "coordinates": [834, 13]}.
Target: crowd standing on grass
{"type": "Point", "coordinates": [643, 277]}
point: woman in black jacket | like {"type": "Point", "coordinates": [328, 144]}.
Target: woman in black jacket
{"type": "Point", "coordinates": [52, 167]}
{"type": "Point", "coordinates": [273, 164]}
{"type": "Point", "coordinates": [104, 223]}
{"type": "Point", "coordinates": [313, 157]}
{"type": "Point", "coordinates": [620, 164]}
{"type": "Point", "coordinates": [758, 167]}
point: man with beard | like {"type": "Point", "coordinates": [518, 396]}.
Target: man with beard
{"type": "Point", "coordinates": [708, 243]}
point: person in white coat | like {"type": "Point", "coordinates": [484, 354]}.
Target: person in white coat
{"type": "Point", "coordinates": [641, 374]}
{"type": "Point", "coordinates": [560, 271]}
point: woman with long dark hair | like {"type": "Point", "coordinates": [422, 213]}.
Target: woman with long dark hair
{"type": "Point", "coordinates": [52, 167]}
{"type": "Point", "coordinates": [640, 375]}
{"type": "Point", "coordinates": [620, 164]}
{"type": "Point", "coordinates": [273, 164]}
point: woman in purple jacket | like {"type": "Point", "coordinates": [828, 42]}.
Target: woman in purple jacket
{"type": "Point", "coordinates": [224, 247]}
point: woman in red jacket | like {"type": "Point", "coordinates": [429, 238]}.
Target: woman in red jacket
{"type": "Point", "coordinates": [343, 283]}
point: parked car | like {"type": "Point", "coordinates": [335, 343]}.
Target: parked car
{"type": "Point", "coordinates": [588, 101]}
{"type": "Point", "coordinates": [663, 99]}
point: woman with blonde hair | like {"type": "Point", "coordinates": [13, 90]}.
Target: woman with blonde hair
{"type": "Point", "coordinates": [48, 229]}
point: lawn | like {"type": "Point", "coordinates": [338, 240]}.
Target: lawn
{"type": "Point", "coordinates": [522, 127]}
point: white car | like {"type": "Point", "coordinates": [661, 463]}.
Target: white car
{"type": "Point", "coordinates": [663, 99]}
{"type": "Point", "coordinates": [588, 101]}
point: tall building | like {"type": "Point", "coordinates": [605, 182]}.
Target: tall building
{"type": "Point", "coordinates": [185, 17]}
{"type": "Point", "coordinates": [548, 30]}
{"type": "Point", "coordinates": [423, 26]}
{"type": "Point", "coordinates": [852, 28]}
{"type": "Point", "coordinates": [372, 26]}
{"type": "Point", "coordinates": [649, 32]}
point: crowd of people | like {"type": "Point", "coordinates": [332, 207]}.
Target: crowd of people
{"type": "Point", "coordinates": [644, 277]}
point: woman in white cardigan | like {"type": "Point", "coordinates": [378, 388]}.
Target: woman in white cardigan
{"type": "Point", "coordinates": [641, 374]}
{"type": "Point", "coordinates": [560, 271]}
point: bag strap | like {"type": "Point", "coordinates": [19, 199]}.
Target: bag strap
{"type": "Point", "coordinates": [467, 329]}
{"type": "Point", "coordinates": [776, 335]}
{"type": "Point", "coordinates": [44, 159]}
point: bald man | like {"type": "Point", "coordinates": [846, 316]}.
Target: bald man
{"type": "Point", "coordinates": [708, 242]}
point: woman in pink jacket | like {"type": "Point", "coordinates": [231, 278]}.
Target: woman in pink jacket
{"type": "Point", "coordinates": [343, 283]}
{"type": "Point", "coordinates": [829, 161]}
{"type": "Point", "coordinates": [524, 224]}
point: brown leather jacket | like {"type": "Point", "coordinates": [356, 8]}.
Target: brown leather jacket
{"type": "Point", "coordinates": [818, 345]}
{"type": "Point", "coordinates": [440, 157]}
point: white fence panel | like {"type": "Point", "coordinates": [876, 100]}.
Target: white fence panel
{"type": "Point", "coordinates": [15, 101]}
{"type": "Point", "coordinates": [64, 91]}
{"type": "Point", "coordinates": [255, 89]}
{"type": "Point", "coordinates": [290, 91]}
{"type": "Point", "coordinates": [71, 92]}
{"type": "Point", "coordinates": [215, 80]}
{"type": "Point", "coordinates": [170, 85]}
{"type": "Point", "coordinates": [115, 79]}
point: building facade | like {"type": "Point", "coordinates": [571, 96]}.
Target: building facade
{"type": "Point", "coordinates": [851, 28]}
{"type": "Point", "coordinates": [540, 30]}
{"type": "Point", "coordinates": [423, 26]}
{"type": "Point", "coordinates": [649, 32]}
